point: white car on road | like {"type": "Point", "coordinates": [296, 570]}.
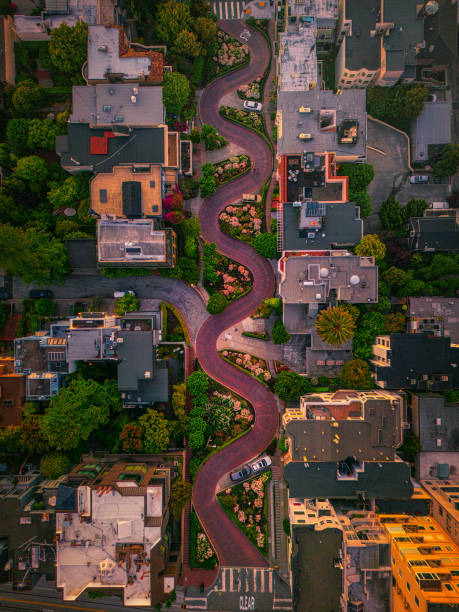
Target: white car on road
{"type": "Point", "coordinates": [250, 105]}
{"type": "Point", "coordinates": [261, 464]}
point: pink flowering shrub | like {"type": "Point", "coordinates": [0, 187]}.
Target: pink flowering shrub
{"type": "Point", "coordinates": [229, 168]}
{"type": "Point", "coordinates": [204, 550]}
{"type": "Point", "coordinates": [253, 365]}
{"type": "Point", "coordinates": [244, 222]}
{"type": "Point", "coordinates": [230, 52]}
{"type": "Point", "coordinates": [248, 510]}
{"type": "Point", "coordinates": [252, 91]}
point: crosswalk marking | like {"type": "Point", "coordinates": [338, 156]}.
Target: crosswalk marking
{"type": "Point", "coordinates": [228, 9]}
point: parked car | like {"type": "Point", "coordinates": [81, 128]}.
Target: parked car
{"type": "Point", "coordinates": [261, 464]}
{"type": "Point", "coordinates": [36, 294]}
{"type": "Point", "coordinates": [415, 179]}
{"type": "Point", "coordinates": [253, 106]}
{"type": "Point", "coordinates": [241, 474]}
{"type": "Point", "coordinates": [120, 294]}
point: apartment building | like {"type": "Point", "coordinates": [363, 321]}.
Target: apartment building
{"type": "Point", "coordinates": [445, 503]}
{"type": "Point", "coordinates": [378, 42]}
{"type": "Point", "coordinates": [425, 564]}
{"type": "Point", "coordinates": [431, 233]}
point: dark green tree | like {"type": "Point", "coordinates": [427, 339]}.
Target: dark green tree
{"type": "Point", "coordinates": [448, 163]}
{"type": "Point", "coordinates": [33, 171]}
{"type": "Point", "coordinates": [17, 132]}
{"type": "Point", "coordinates": [68, 47]}
{"type": "Point", "coordinates": [172, 18]}
{"type": "Point", "coordinates": [290, 386]}
{"type": "Point", "coordinates": [370, 325]}
{"type": "Point", "coordinates": [355, 374]}
{"type": "Point", "coordinates": [181, 492]}
{"type": "Point", "coordinates": [217, 303]}
{"type": "Point", "coordinates": [279, 333]}
{"type": "Point", "coordinates": [392, 215]}
{"type": "Point", "coordinates": [415, 208]}
{"type": "Point", "coordinates": [78, 410]}
{"type": "Point", "coordinates": [127, 303]}
{"type": "Point", "coordinates": [411, 447]}
{"type": "Point", "coordinates": [266, 245]}
{"type": "Point", "coordinates": [363, 200]}
{"type": "Point", "coordinates": [156, 432]}
{"type": "Point", "coordinates": [54, 465]}
{"type": "Point", "coordinates": [371, 246]}
{"type": "Point", "coordinates": [27, 97]}
{"type": "Point", "coordinates": [197, 383]}
{"type": "Point", "coordinates": [360, 175]}
{"type": "Point", "coordinates": [176, 91]}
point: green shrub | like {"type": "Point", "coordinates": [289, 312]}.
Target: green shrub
{"type": "Point", "coordinates": [217, 303]}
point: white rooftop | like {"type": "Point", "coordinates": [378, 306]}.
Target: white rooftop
{"type": "Point", "coordinates": [298, 59]}
{"type": "Point", "coordinates": [128, 103]}
{"type": "Point", "coordinates": [104, 56]}
{"type": "Point", "coordinates": [86, 552]}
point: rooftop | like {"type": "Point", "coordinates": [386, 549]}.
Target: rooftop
{"type": "Point", "coordinates": [446, 493]}
{"type": "Point", "coordinates": [86, 344]}
{"type": "Point", "coordinates": [108, 192]}
{"type": "Point", "coordinates": [434, 233]}
{"type": "Point", "coordinates": [313, 567]}
{"type": "Point", "coordinates": [130, 241]}
{"type": "Point", "coordinates": [362, 50]}
{"type": "Point", "coordinates": [311, 177]}
{"type": "Point", "coordinates": [110, 53]}
{"type": "Point", "coordinates": [338, 226]}
{"type": "Point", "coordinates": [111, 548]}
{"type": "Point", "coordinates": [436, 422]}
{"type": "Point", "coordinates": [297, 58]}
{"type": "Point", "coordinates": [97, 150]}
{"type": "Point", "coordinates": [103, 105]}
{"type": "Point", "coordinates": [436, 315]}
{"type": "Point", "coordinates": [431, 127]}
{"type": "Point", "coordinates": [408, 32]}
{"type": "Point", "coordinates": [336, 123]}
{"type": "Point", "coordinates": [12, 393]}
{"type": "Point", "coordinates": [415, 361]}
{"type": "Point", "coordinates": [385, 479]}
{"type": "Point", "coordinates": [55, 14]}
{"type": "Point", "coordinates": [333, 426]}
{"type": "Point", "coordinates": [324, 278]}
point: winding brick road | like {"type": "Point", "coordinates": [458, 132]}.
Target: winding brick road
{"type": "Point", "coordinates": [232, 547]}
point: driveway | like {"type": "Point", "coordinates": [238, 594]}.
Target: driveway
{"type": "Point", "coordinates": [85, 287]}
{"type": "Point", "coordinates": [392, 172]}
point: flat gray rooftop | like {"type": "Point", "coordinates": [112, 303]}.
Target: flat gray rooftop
{"type": "Point", "coordinates": [351, 104]}
{"type": "Point", "coordinates": [107, 104]}
{"type": "Point", "coordinates": [341, 225]}
{"type": "Point", "coordinates": [320, 9]}
{"type": "Point", "coordinates": [431, 127]}
{"type": "Point", "coordinates": [362, 51]}
{"type": "Point", "coordinates": [298, 59]}
{"type": "Point", "coordinates": [447, 309]}
{"type": "Point", "coordinates": [314, 279]}
{"type": "Point", "coordinates": [126, 241]}
{"type": "Point", "coordinates": [104, 56]}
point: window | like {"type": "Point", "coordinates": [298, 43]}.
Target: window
{"type": "Point", "coordinates": [154, 208]}
{"type": "Point", "coordinates": [408, 586]}
{"type": "Point", "coordinates": [7, 402]}
{"type": "Point", "coordinates": [448, 587]}
{"type": "Point", "coordinates": [152, 184]}
{"type": "Point", "coordinates": [106, 108]}
{"type": "Point", "coordinates": [393, 561]}
{"type": "Point", "coordinates": [56, 356]}
{"type": "Point", "coordinates": [416, 601]}
{"type": "Point", "coordinates": [103, 196]}
{"type": "Point", "coordinates": [440, 510]}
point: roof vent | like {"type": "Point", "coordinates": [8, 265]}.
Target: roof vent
{"type": "Point", "coordinates": [103, 48]}
{"type": "Point", "coordinates": [323, 272]}
{"type": "Point", "coordinates": [133, 99]}
{"type": "Point", "coordinates": [354, 279]}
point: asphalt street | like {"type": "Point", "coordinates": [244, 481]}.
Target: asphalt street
{"type": "Point", "coordinates": [85, 287]}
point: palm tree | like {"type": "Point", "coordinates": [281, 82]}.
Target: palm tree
{"type": "Point", "coordinates": [335, 325]}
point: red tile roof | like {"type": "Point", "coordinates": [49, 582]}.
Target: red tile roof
{"type": "Point", "coordinates": [99, 144]}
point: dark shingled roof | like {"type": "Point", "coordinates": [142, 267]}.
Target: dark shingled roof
{"type": "Point", "coordinates": [431, 408]}
{"type": "Point", "coordinates": [434, 233]}
{"type": "Point", "coordinates": [414, 355]}
{"type": "Point", "coordinates": [362, 51]}
{"type": "Point", "coordinates": [138, 146]}
{"type": "Point", "coordinates": [385, 480]}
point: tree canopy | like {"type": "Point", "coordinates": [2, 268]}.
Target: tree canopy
{"type": "Point", "coordinates": [279, 333]}
{"type": "Point", "coordinates": [172, 18]}
{"type": "Point", "coordinates": [335, 325]}
{"type": "Point", "coordinates": [176, 90]}
{"type": "Point", "coordinates": [355, 374]}
{"type": "Point", "coordinates": [448, 163]}
{"type": "Point", "coordinates": [360, 175]}
{"type": "Point", "coordinates": [127, 303]}
{"type": "Point", "coordinates": [156, 432]}
{"type": "Point", "coordinates": [266, 245]}
{"type": "Point", "coordinates": [33, 170]}
{"type": "Point", "coordinates": [79, 409]}
{"type": "Point", "coordinates": [371, 246]}
{"type": "Point", "coordinates": [68, 47]}
{"type": "Point", "coordinates": [370, 325]}
{"type": "Point", "coordinates": [217, 303]}
{"type": "Point", "coordinates": [181, 492]}
{"type": "Point", "coordinates": [54, 465]}
{"type": "Point", "coordinates": [27, 96]}
{"type": "Point", "coordinates": [290, 386]}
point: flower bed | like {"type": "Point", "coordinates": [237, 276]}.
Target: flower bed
{"type": "Point", "coordinates": [252, 91]}
{"type": "Point", "coordinates": [230, 168]}
{"type": "Point", "coordinates": [254, 366]}
{"type": "Point", "coordinates": [254, 121]}
{"type": "Point", "coordinates": [246, 504]}
{"type": "Point", "coordinates": [243, 221]}
{"type": "Point", "coordinates": [231, 53]}
{"type": "Point", "coordinates": [202, 555]}
{"type": "Point", "coordinates": [226, 276]}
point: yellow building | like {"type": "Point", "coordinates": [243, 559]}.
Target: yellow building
{"type": "Point", "coordinates": [425, 564]}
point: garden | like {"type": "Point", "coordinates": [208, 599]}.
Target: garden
{"type": "Point", "coordinates": [247, 505]}
{"type": "Point", "coordinates": [252, 91]}
{"type": "Point", "coordinates": [223, 275]}
{"type": "Point", "coordinates": [230, 168]}
{"type": "Point", "coordinates": [249, 363]}
{"type": "Point", "coordinates": [243, 221]}
{"type": "Point", "coordinates": [253, 121]}
{"type": "Point", "coordinates": [230, 54]}
{"type": "Point", "coordinates": [202, 555]}
{"type": "Point", "coordinates": [217, 418]}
